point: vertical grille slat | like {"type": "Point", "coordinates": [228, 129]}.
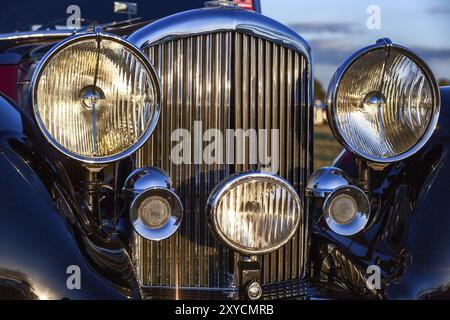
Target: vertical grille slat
{"type": "Point", "coordinates": [226, 80]}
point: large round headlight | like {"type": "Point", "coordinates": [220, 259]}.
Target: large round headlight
{"type": "Point", "coordinates": [255, 213]}
{"type": "Point", "coordinates": [383, 103]}
{"type": "Point", "coordinates": [96, 97]}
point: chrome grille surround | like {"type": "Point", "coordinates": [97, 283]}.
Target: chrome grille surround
{"type": "Point", "coordinates": [196, 55]}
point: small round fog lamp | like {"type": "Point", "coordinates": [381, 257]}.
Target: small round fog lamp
{"type": "Point", "coordinates": [156, 213]}
{"type": "Point", "coordinates": [343, 209]}
{"type": "Point", "coordinates": [347, 210]}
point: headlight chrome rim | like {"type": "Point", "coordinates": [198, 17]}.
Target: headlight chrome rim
{"type": "Point", "coordinates": [240, 178]}
{"type": "Point", "coordinates": [333, 91]}
{"type": "Point", "coordinates": [138, 54]}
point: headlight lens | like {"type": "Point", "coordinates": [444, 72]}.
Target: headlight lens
{"type": "Point", "coordinates": [255, 213]}
{"type": "Point", "coordinates": [383, 103]}
{"type": "Point", "coordinates": [96, 98]}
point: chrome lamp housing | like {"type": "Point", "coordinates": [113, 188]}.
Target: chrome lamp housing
{"type": "Point", "coordinates": [325, 180]}
{"type": "Point", "coordinates": [383, 103]}
{"type": "Point", "coordinates": [345, 207]}
{"type": "Point", "coordinates": [156, 211]}
{"type": "Point", "coordinates": [255, 212]}
{"type": "Point", "coordinates": [96, 97]}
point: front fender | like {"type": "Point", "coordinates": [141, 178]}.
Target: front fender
{"type": "Point", "coordinates": [410, 238]}
{"type": "Point", "coordinates": [42, 229]}
{"type": "Point", "coordinates": [428, 240]}
{"type": "Point", "coordinates": [426, 228]}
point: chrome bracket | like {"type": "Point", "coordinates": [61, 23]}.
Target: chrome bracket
{"type": "Point", "coordinates": [250, 278]}
{"type": "Point", "coordinates": [92, 188]}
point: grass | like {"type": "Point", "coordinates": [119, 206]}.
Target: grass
{"type": "Point", "coordinates": [326, 148]}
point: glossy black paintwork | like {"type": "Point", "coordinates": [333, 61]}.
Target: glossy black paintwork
{"type": "Point", "coordinates": [42, 228]}
{"type": "Point", "coordinates": [410, 235]}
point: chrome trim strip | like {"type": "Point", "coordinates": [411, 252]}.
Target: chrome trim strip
{"type": "Point", "coordinates": [36, 35]}
{"type": "Point", "coordinates": [209, 20]}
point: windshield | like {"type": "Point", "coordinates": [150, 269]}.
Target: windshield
{"type": "Point", "coordinates": [26, 15]}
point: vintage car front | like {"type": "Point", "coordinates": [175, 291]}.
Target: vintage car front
{"type": "Point", "coordinates": [174, 160]}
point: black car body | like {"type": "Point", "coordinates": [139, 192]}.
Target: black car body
{"type": "Point", "coordinates": [233, 69]}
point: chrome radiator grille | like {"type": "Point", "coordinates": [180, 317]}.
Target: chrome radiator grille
{"type": "Point", "coordinates": [225, 80]}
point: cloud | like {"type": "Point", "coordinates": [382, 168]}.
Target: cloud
{"type": "Point", "coordinates": [325, 27]}
{"type": "Point", "coordinates": [331, 52]}
{"type": "Point", "coordinates": [432, 53]}
{"type": "Point", "coordinates": [442, 9]}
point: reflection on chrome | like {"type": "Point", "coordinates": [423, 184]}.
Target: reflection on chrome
{"type": "Point", "coordinates": [383, 103]}
{"type": "Point", "coordinates": [347, 210]}
{"type": "Point", "coordinates": [255, 213]}
{"type": "Point", "coordinates": [96, 97]}
{"type": "Point", "coordinates": [156, 211]}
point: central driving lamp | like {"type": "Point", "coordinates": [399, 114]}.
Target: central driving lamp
{"type": "Point", "coordinates": [255, 212]}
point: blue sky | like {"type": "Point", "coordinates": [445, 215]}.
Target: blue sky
{"type": "Point", "coordinates": [337, 28]}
